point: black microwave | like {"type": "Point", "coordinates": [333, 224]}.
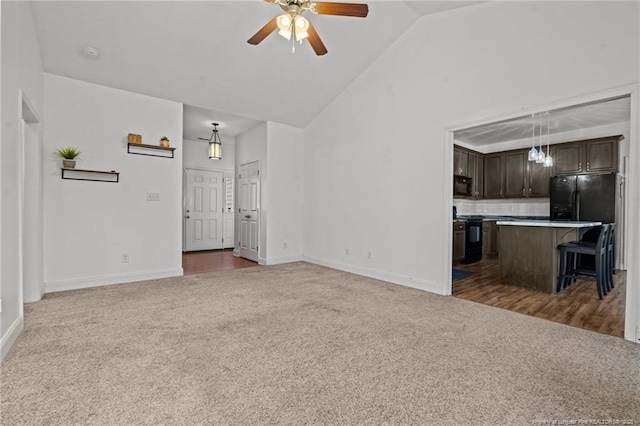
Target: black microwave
{"type": "Point", "coordinates": [462, 186]}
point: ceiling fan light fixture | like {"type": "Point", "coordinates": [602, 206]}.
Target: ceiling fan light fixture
{"type": "Point", "coordinates": [284, 23]}
{"type": "Point", "coordinates": [301, 28]}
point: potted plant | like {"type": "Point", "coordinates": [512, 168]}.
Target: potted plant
{"type": "Point", "coordinates": [164, 142]}
{"type": "Point", "coordinates": [68, 156]}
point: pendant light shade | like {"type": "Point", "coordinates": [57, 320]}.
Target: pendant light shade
{"type": "Point", "coordinates": [533, 152]}
{"type": "Point", "coordinates": [548, 160]}
{"type": "Point", "coordinates": [537, 154]}
{"type": "Point", "coordinates": [215, 151]}
{"type": "Point", "coordinates": [215, 144]}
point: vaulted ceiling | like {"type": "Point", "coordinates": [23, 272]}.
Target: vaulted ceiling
{"type": "Point", "coordinates": [197, 52]}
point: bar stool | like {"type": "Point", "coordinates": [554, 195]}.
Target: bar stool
{"type": "Point", "coordinates": [570, 266]}
{"type": "Point", "coordinates": [611, 255]}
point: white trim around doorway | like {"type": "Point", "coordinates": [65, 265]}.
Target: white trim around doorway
{"type": "Point", "coordinates": [632, 206]}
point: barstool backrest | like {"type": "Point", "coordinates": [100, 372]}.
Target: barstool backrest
{"type": "Point", "coordinates": [603, 238]}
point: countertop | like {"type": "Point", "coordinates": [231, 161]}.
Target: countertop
{"type": "Point", "coordinates": [464, 218]}
{"type": "Point", "coordinates": [549, 223]}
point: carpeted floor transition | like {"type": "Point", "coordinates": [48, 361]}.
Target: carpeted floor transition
{"type": "Point", "coordinates": [302, 344]}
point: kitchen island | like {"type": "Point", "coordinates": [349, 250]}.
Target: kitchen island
{"type": "Point", "coordinates": [528, 250]}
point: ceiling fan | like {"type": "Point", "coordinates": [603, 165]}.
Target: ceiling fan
{"type": "Point", "coordinates": [293, 26]}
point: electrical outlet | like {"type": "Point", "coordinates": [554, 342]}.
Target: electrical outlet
{"type": "Point", "coordinates": [346, 251]}
{"type": "Point", "coordinates": [284, 245]}
{"type": "Point", "coordinates": [369, 256]}
{"type": "Point", "coordinates": [125, 258]}
{"type": "Point", "coordinates": [153, 196]}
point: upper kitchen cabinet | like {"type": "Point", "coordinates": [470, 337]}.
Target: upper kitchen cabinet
{"type": "Point", "coordinates": [601, 155]}
{"type": "Point", "coordinates": [515, 174]}
{"type": "Point", "coordinates": [588, 156]}
{"type": "Point", "coordinates": [538, 178]}
{"type": "Point", "coordinates": [568, 158]}
{"type": "Point", "coordinates": [460, 161]}
{"type": "Point", "coordinates": [476, 172]}
{"type": "Point", "coordinates": [524, 178]}
{"type": "Point", "coordinates": [493, 176]}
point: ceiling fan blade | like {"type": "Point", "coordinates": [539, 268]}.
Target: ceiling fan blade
{"type": "Point", "coordinates": [315, 42]}
{"type": "Point", "coordinates": [263, 32]}
{"type": "Point", "coordinates": [203, 139]}
{"type": "Point", "coordinates": [358, 10]}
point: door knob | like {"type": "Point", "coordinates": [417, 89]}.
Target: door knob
{"type": "Point", "coordinates": [248, 216]}
{"type": "Point", "coordinates": [187, 216]}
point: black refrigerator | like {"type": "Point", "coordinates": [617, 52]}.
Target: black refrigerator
{"type": "Point", "coordinates": [584, 197]}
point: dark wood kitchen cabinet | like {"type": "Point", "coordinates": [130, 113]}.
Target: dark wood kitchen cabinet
{"type": "Point", "coordinates": [568, 159]}
{"type": "Point", "coordinates": [601, 155]}
{"type": "Point", "coordinates": [476, 172]}
{"type": "Point", "coordinates": [589, 156]}
{"type": "Point", "coordinates": [458, 241]}
{"type": "Point", "coordinates": [460, 162]}
{"type": "Point", "coordinates": [489, 239]}
{"type": "Point", "coordinates": [510, 174]}
{"type": "Point", "coordinates": [493, 175]}
{"type": "Point", "coordinates": [515, 174]}
{"type": "Point", "coordinates": [538, 179]}
{"type": "Point", "coordinates": [524, 178]}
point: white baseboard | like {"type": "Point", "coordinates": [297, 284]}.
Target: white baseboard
{"type": "Point", "coordinates": [284, 259]}
{"type": "Point", "coordinates": [86, 282]}
{"type": "Point", "coordinates": [262, 261]}
{"type": "Point", "coordinates": [11, 336]}
{"type": "Point", "coordinates": [391, 277]}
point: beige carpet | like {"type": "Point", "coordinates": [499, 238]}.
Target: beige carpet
{"type": "Point", "coordinates": [302, 344]}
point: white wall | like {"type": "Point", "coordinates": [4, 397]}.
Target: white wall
{"type": "Point", "coordinates": [89, 225]}
{"type": "Point", "coordinates": [252, 146]}
{"type": "Point", "coordinates": [376, 159]}
{"type": "Point", "coordinates": [284, 198]}
{"type": "Point", "coordinates": [196, 155]}
{"type": "Point", "coordinates": [21, 70]}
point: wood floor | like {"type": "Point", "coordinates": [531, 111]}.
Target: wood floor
{"type": "Point", "coordinates": [198, 262]}
{"type": "Point", "coordinates": [578, 305]}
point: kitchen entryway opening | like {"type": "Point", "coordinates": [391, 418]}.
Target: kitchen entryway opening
{"type": "Point", "coordinates": [513, 211]}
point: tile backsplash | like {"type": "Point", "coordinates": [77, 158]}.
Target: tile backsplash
{"type": "Point", "coordinates": [512, 207]}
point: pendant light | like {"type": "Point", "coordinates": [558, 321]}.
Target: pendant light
{"type": "Point", "coordinates": [215, 144]}
{"type": "Point", "coordinates": [548, 160]}
{"type": "Point", "coordinates": [541, 156]}
{"type": "Point", "coordinates": [533, 152]}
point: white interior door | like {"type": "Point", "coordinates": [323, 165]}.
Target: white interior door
{"type": "Point", "coordinates": [203, 210]}
{"type": "Point", "coordinates": [249, 210]}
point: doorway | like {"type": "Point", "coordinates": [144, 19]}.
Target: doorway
{"type": "Point", "coordinates": [249, 210]}
{"type": "Point", "coordinates": [30, 203]}
{"type": "Point", "coordinates": [626, 300]}
{"type": "Point", "coordinates": [208, 210]}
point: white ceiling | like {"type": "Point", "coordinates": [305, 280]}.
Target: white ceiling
{"type": "Point", "coordinates": [197, 123]}
{"type": "Point", "coordinates": [564, 120]}
{"type": "Point", "coordinates": [430, 7]}
{"type": "Point", "coordinates": [197, 53]}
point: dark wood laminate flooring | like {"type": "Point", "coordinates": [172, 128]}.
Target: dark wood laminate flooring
{"type": "Point", "coordinates": [578, 305]}
{"type": "Point", "coordinates": [198, 262]}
